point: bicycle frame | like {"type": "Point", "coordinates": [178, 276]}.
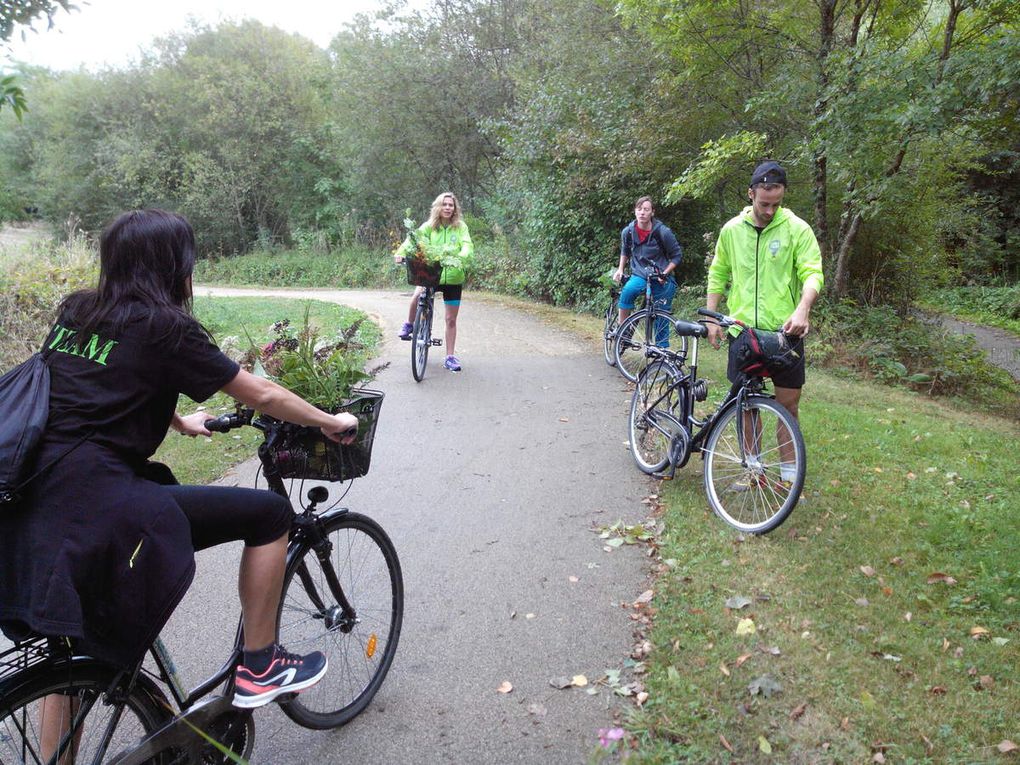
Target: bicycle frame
{"type": "Point", "coordinates": [695, 430]}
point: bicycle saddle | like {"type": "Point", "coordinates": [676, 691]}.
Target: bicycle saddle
{"type": "Point", "coordinates": [690, 328]}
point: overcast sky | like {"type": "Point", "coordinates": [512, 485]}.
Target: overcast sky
{"type": "Point", "coordinates": [111, 32]}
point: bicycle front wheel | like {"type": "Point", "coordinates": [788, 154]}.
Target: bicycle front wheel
{"type": "Point", "coordinates": [344, 597]}
{"type": "Point", "coordinates": [754, 465]}
{"type": "Point", "coordinates": [609, 334]}
{"type": "Point", "coordinates": [637, 333]}
{"type": "Point", "coordinates": [421, 340]}
{"type": "Point", "coordinates": [653, 409]}
{"type": "Point", "coordinates": [65, 709]}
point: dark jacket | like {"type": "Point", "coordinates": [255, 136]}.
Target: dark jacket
{"type": "Point", "coordinates": [660, 249]}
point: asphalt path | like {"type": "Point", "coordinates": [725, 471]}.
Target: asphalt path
{"type": "Point", "coordinates": [491, 483]}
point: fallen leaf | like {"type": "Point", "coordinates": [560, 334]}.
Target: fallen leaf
{"type": "Point", "coordinates": [897, 561]}
{"type": "Point", "coordinates": [737, 602]}
{"type": "Point", "coordinates": [537, 709]}
{"type": "Point", "coordinates": [937, 690]}
{"type": "Point", "coordinates": [725, 743]}
{"type": "Point", "coordinates": [1006, 746]}
{"type": "Point", "coordinates": [879, 758]}
{"type": "Point", "coordinates": [764, 686]}
{"type": "Point", "coordinates": [723, 668]}
{"type": "Point", "coordinates": [764, 745]}
{"type": "Point", "coordinates": [641, 698]}
{"type": "Point", "coordinates": [867, 570]}
{"type": "Point", "coordinates": [560, 682]}
{"type": "Point", "coordinates": [978, 632]}
{"type": "Point", "coordinates": [907, 616]}
{"type": "Point", "coordinates": [741, 659]}
{"type": "Point", "coordinates": [505, 687]}
{"type": "Point", "coordinates": [929, 747]}
{"type": "Point", "coordinates": [579, 680]}
{"type": "Point", "coordinates": [644, 597]}
{"type": "Point", "coordinates": [746, 627]}
{"type": "Point", "coordinates": [939, 578]}
{"type": "Point", "coordinates": [798, 711]}
{"type": "Point", "coordinates": [986, 682]}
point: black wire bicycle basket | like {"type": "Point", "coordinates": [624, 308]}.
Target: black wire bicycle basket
{"type": "Point", "coordinates": [423, 273]}
{"type": "Point", "coordinates": [303, 452]}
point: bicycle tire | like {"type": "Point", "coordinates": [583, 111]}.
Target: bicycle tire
{"type": "Point", "coordinates": [612, 320]}
{"type": "Point", "coordinates": [421, 340]}
{"type": "Point", "coordinates": [650, 435]}
{"type": "Point", "coordinates": [753, 498]}
{"type": "Point", "coordinates": [632, 341]}
{"type": "Point", "coordinates": [360, 651]}
{"type": "Point", "coordinates": [142, 712]}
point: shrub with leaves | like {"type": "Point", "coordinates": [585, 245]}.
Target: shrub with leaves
{"type": "Point", "coordinates": [323, 371]}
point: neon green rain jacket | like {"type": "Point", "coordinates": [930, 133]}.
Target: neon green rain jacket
{"type": "Point", "coordinates": [765, 272]}
{"type": "Point", "coordinates": [450, 245]}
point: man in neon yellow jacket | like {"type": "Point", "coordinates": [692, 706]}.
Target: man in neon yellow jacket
{"type": "Point", "coordinates": [768, 264]}
{"type": "Point", "coordinates": [444, 237]}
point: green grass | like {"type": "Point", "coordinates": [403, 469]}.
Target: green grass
{"type": "Point", "coordinates": [896, 483]}
{"type": "Point", "coordinates": [232, 321]}
{"type": "Point", "coordinates": [351, 268]}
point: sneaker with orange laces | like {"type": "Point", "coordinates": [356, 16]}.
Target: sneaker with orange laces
{"type": "Point", "coordinates": [284, 673]}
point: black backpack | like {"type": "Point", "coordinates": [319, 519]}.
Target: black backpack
{"type": "Point", "coordinates": [24, 409]}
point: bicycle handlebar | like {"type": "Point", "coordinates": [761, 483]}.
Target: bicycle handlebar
{"type": "Point", "coordinates": [227, 422]}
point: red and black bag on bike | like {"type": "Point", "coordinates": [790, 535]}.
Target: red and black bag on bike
{"type": "Point", "coordinates": [762, 353]}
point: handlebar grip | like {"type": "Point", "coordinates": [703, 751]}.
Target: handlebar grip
{"type": "Point", "coordinates": [349, 432]}
{"type": "Point", "coordinates": [219, 425]}
{"type": "Point", "coordinates": [712, 314]}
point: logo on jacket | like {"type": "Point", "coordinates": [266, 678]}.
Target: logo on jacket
{"type": "Point", "coordinates": [774, 247]}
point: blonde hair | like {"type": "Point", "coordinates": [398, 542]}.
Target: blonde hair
{"type": "Point", "coordinates": [437, 209]}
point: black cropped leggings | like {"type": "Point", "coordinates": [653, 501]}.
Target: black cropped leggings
{"type": "Point", "coordinates": [219, 514]}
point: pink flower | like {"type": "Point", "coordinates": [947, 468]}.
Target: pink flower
{"type": "Point", "coordinates": [607, 736]}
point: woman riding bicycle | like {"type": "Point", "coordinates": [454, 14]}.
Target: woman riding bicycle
{"type": "Point", "coordinates": [102, 548]}
{"type": "Point", "coordinates": [445, 236]}
{"type": "Point", "coordinates": [648, 245]}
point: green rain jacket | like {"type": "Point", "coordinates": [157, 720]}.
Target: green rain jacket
{"type": "Point", "coordinates": [450, 245]}
{"type": "Point", "coordinates": [765, 272]}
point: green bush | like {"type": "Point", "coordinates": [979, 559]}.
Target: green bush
{"type": "Point", "coordinates": [32, 284]}
{"type": "Point", "coordinates": [304, 267]}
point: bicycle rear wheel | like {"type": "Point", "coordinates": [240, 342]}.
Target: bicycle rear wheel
{"type": "Point", "coordinates": [66, 707]}
{"type": "Point", "coordinates": [359, 642]}
{"type": "Point", "coordinates": [421, 340]}
{"type": "Point", "coordinates": [755, 494]}
{"type": "Point", "coordinates": [636, 334]}
{"type": "Point", "coordinates": [609, 334]}
{"type": "Point", "coordinates": [652, 409]}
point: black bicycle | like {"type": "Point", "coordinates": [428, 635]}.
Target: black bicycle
{"type": "Point", "coordinates": [343, 594]}
{"type": "Point", "coordinates": [645, 328]}
{"type": "Point", "coordinates": [752, 448]}
{"type": "Point", "coordinates": [426, 275]}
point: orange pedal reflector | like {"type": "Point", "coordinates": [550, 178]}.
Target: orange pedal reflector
{"type": "Point", "coordinates": [370, 648]}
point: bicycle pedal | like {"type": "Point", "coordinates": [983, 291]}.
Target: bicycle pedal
{"type": "Point", "coordinates": [437, 342]}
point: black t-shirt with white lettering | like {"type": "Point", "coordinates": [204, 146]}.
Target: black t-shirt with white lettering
{"type": "Point", "coordinates": [121, 385]}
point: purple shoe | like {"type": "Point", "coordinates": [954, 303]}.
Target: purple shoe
{"type": "Point", "coordinates": [405, 331]}
{"type": "Point", "coordinates": [452, 364]}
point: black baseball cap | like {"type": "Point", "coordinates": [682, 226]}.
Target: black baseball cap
{"type": "Point", "coordinates": [769, 171]}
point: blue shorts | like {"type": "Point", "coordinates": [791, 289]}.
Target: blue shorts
{"type": "Point", "coordinates": [662, 294]}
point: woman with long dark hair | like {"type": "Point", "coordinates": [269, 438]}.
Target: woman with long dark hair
{"type": "Point", "coordinates": [102, 548]}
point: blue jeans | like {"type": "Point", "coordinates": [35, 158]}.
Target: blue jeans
{"type": "Point", "coordinates": [662, 296]}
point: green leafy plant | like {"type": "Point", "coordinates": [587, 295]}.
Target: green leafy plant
{"type": "Point", "coordinates": [323, 371]}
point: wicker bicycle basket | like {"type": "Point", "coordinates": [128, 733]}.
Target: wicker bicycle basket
{"type": "Point", "coordinates": [305, 453]}
{"type": "Point", "coordinates": [423, 273]}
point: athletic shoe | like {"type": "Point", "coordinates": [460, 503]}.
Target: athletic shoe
{"type": "Point", "coordinates": [452, 364]}
{"type": "Point", "coordinates": [286, 673]}
{"type": "Point", "coordinates": [405, 331]}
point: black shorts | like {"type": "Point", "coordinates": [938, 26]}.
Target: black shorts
{"type": "Point", "coordinates": [451, 292]}
{"type": "Point", "coordinates": [790, 378]}
{"type": "Point", "coordinates": [219, 514]}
